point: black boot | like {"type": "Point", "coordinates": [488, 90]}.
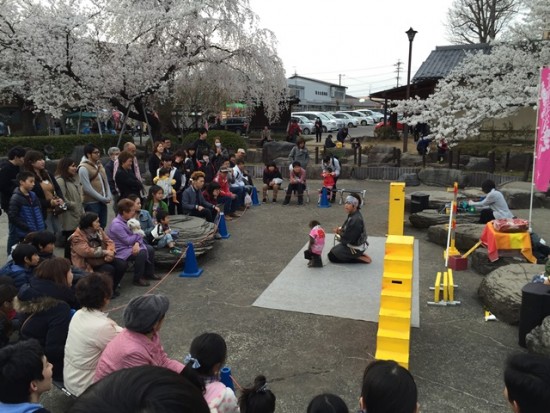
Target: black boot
{"type": "Point", "coordinates": [300, 199]}
{"type": "Point", "coordinates": [317, 262]}
{"type": "Point", "coordinates": [287, 200]}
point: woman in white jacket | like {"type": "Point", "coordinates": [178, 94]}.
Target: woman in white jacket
{"type": "Point", "coordinates": [89, 332]}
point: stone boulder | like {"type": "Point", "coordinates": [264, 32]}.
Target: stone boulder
{"type": "Point", "coordinates": [480, 263]}
{"type": "Point", "coordinates": [443, 177]}
{"type": "Point", "coordinates": [478, 164]}
{"type": "Point", "coordinates": [521, 198]}
{"type": "Point", "coordinates": [411, 159]}
{"type": "Point", "coordinates": [190, 229]}
{"type": "Point", "coordinates": [518, 161]}
{"type": "Point", "coordinates": [381, 154]}
{"type": "Point", "coordinates": [409, 179]}
{"type": "Point", "coordinates": [276, 149]}
{"type": "Point", "coordinates": [538, 340]}
{"type": "Point", "coordinates": [466, 235]}
{"type": "Point", "coordinates": [429, 217]}
{"type": "Point", "coordinates": [500, 291]}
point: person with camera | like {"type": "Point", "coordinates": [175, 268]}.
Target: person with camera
{"type": "Point", "coordinates": [46, 190]}
{"type": "Point", "coordinates": [95, 185]}
{"type": "Point", "coordinates": [67, 178]}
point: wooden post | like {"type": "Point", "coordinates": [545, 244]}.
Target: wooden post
{"type": "Point", "coordinates": [398, 157]}
{"type": "Point", "coordinates": [458, 159]}
{"type": "Point", "coordinates": [354, 154]}
{"type": "Point", "coordinates": [359, 150]}
{"type": "Point", "coordinates": [507, 161]}
{"type": "Point", "coordinates": [527, 169]}
{"type": "Point", "coordinates": [316, 155]}
{"type": "Point", "coordinates": [492, 161]}
{"type": "Point", "coordinates": [450, 159]}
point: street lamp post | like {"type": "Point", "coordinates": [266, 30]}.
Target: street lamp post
{"type": "Point", "coordinates": [410, 34]}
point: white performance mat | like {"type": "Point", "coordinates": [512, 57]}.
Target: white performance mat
{"type": "Point", "coordinates": [338, 290]}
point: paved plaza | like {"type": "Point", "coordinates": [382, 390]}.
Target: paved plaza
{"type": "Point", "coordinates": [456, 357]}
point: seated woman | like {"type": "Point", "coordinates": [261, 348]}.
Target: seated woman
{"type": "Point", "coordinates": [272, 179]}
{"type": "Point", "coordinates": [93, 250]}
{"type": "Point", "coordinates": [494, 205]}
{"type": "Point", "coordinates": [46, 303]}
{"type": "Point", "coordinates": [130, 246]}
{"type": "Point", "coordinates": [90, 331]}
{"type": "Point", "coordinates": [139, 343]}
{"type": "Point", "coordinates": [206, 357]}
{"type": "Point", "coordinates": [297, 183]}
{"type": "Point", "coordinates": [142, 215]}
{"type": "Point", "coordinates": [353, 235]}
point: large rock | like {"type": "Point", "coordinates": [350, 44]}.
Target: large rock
{"type": "Point", "coordinates": [276, 149]}
{"type": "Point", "coordinates": [443, 177]}
{"type": "Point", "coordinates": [538, 340]}
{"type": "Point", "coordinates": [478, 164]}
{"type": "Point", "coordinates": [500, 291]}
{"type": "Point", "coordinates": [521, 198]}
{"type": "Point", "coordinates": [409, 179]}
{"type": "Point", "coordinates": [381, 154]}
{"type": "Point", "coordinates": [429, 217]}
{"type": "Point", "coordinates": [196, 230]}
{"type": "Point", "coordinates": [466, 235]}
{"type": "Point", "coordinates": [411, 159]}
{"type": "Point", "coordinates": [480, 263]}
{"type": "Point", "coordinates": [518, 161]}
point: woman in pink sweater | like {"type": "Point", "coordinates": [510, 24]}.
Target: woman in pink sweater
{"type": "Point", "coordinates": [139, 343]}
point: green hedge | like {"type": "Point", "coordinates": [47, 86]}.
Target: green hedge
{"type": "Point", "coordinates": [63, 144]}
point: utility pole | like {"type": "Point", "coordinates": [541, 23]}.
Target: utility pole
{"type": "Point", "coordinates": [398, 70]}
{"type": "Point", "coordinates": [340, 79]}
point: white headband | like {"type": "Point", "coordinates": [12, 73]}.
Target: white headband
{"type": "Point", "coordinates": [352, 200]}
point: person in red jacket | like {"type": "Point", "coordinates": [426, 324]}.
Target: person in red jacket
{"type": "Point", "coordinates": [225, 196]}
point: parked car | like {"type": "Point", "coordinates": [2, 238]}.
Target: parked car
{"type": "Point", "coordinates": [305, 124]}
{"type": "Point", "coordinates": [328, 123]}
{"type": "Point", "coordinates": [361, 117]}
{"type": "Point", "coordinates": [351, 121]}
{"type": "Point", "coordinates": [238, 125]}
{"type": "Point", "coordinates": [340, 123]}
{"type": "Point", "coordinates": [381, 124]}
{"type": "Point", "coordinates": [376, 116]}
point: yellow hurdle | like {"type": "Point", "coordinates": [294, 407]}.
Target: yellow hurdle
{"type": "Point", "coordinates": [437, 288]}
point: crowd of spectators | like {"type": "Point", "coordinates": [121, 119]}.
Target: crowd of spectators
{"type": "Point", "coordinates": [56, 304]}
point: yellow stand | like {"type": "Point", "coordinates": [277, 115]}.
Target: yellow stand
{"type": "Point", "coordinates": [394, 320]}
{"type": "Point", "coordinates": [396, 215]}
{"type": "Point", "coordinates": [448, 286]}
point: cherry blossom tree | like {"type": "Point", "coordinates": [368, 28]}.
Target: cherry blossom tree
{"type": "Point", "coordinates": [489, 85]}
{"type": "Point", "coordinates": [134, 54]}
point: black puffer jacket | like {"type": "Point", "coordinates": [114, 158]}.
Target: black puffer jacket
{"type": "Point", "coordinates": [46, 318]}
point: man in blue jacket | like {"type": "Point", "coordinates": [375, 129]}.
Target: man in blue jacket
{"type": "Point", "coordinates": [24, 212]}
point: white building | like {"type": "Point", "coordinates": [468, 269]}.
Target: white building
{"type": "Point", "coordinates": [315, 94]}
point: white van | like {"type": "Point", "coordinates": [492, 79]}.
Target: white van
{"type": "Point", "coordinates": [329, 125]}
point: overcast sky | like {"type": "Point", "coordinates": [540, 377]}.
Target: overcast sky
{"type": "Point", "coordinates": [360, 39]}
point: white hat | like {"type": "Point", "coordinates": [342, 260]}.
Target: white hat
{"type": "Point", "coordinates": [241, 150]}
